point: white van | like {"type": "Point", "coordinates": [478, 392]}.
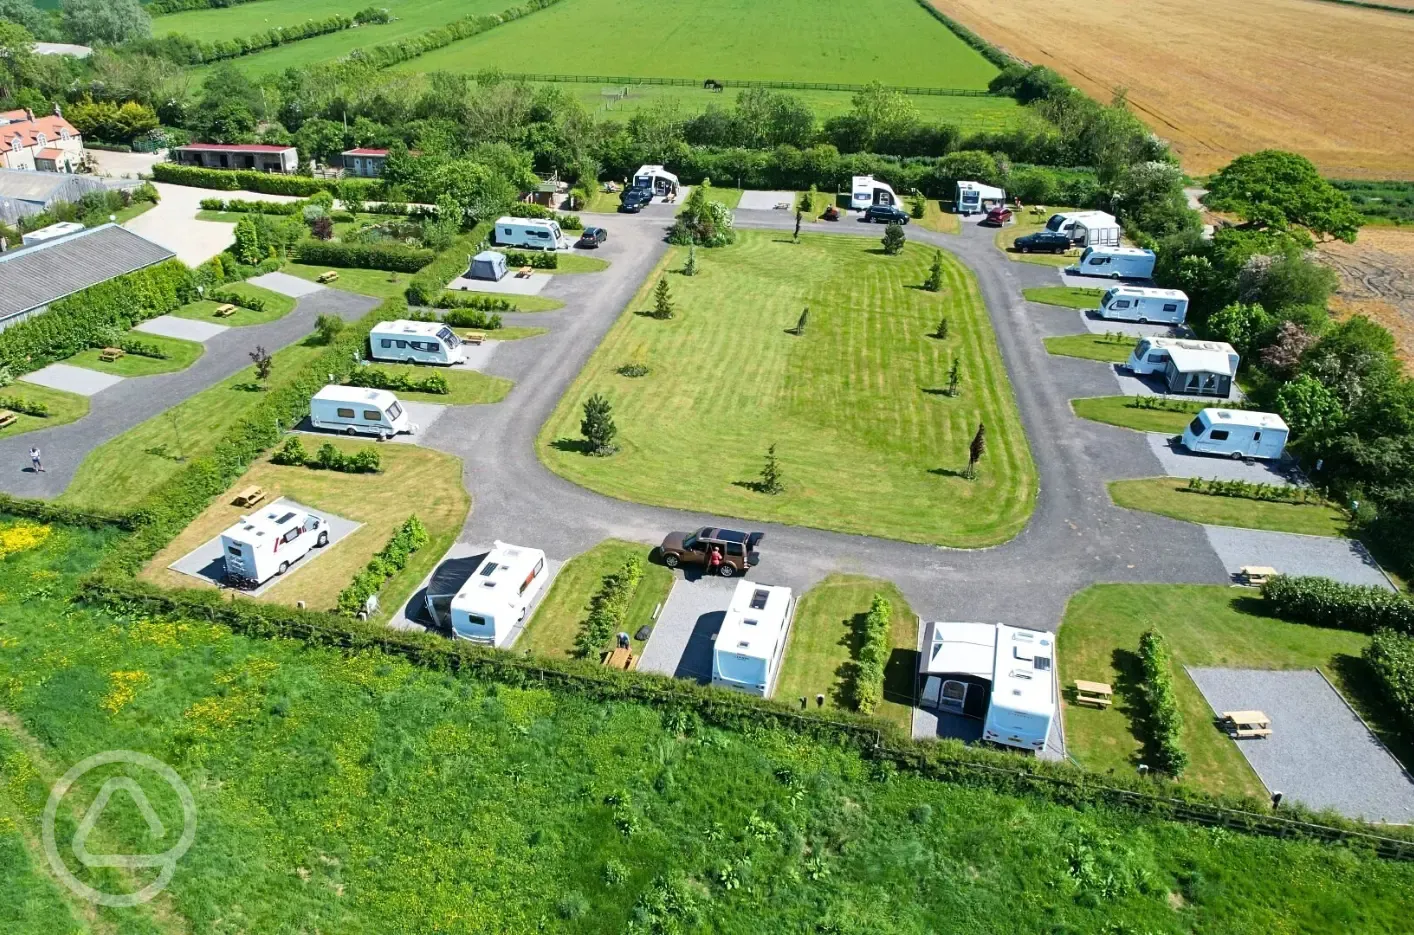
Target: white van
{"type": "Point", "coordinates": [1023, 689]}
{"type": "Point", "coordinates": [1115, 262]}
{"type": "Point", "coordinates": [357, 410]}
{"type": "Point", "coordinates": [496, 597]}
{"type": "Point", "coordinates": [529, 233]}
{"type": "Point", "coordinates": [415, 342]}
{"type": "Point", "coordinates": [260, 547]}
{"type": "Point", "coordinates": [868, 190]}
{"type": "Point", "coordinates": [1237, 433]}
{"type": "Point", "coordinates": [1144, 305]}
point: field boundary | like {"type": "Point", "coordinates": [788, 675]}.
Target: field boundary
{"type": "Point", "coordinates": [715, 83]}
{"type": "Point", "coordinates": [1385, 7]}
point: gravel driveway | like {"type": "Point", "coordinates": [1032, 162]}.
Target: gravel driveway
{"type": "Point", "coordinates": [173, 222]}
{"type": "Point", "coordinates": [681, 642]}
{"type": "Point", "coordinates": [1180, 462]}
{"type": "Point", "coordinates": [1342, 559]}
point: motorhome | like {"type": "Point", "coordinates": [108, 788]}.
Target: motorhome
{"type": "Point", "coordinates": [529, 233]}
{"type": "Point", "coordinates": [357, 410]}
{"type": "Point", "coordinates": [1023, 689]}
{"type": "Point", "coordinates": [1087, 228]}
{"type": "Point", "coordinates": [976, 198]}
{"type": "Point", "coordinates": [259, 547]}
{"type": "Point", "coordinates": [488, 605]}
{"type": "Point", "coordinates": [1237, 433]}
{"type": "Point", "coordinates": [1195, 368]}
{"type": "Point", "coordinates": [867, 190]}
{"type": "Point", "coordinates": [1144, 305]}
{"type": "Point", "coordinates": [998, 678]}
{"type": "Point", "coordinates": [657, 180]}
{"type": "Point", "coordinates": [1115, 263]}
{"type": "Point", "coordinates": [749, 647]}
{"type": "Point", "coordinates": [415, 342]}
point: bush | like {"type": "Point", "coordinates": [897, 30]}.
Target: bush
{"type": "Point", "coordinates": [470, 318]}
{"type": "Point", "coordinates": [1322, 602]}
{"type": "Point", "coordinates": [483, 303]}
{"type": "Point", "coordinates": [1391, 658]}
{"type": "Point", "coordinates": [252, 302]}
{"type": "Point", "coordinates": [142, 348]}
{"type": "Point", "coordinates": [393, 558]}
{"type": "Point", "coordinates": [537, 259]}
{"type": "Point", "coordinates": [291, 453]}
{"type": "Point", "coordinates": [569, 222]}
{"type": "Point", "coordinates": [390, 257]}
{"type": "Point", "coordinates": [873, 639]}
{"type": "Point", "coordinates": [242, 206]}
{"type": "Point", "coordinates": [429, 284]}
{"type": "Point", "coordinates": [378, 379]}
{"type": "Point", "coordinates": [327, 458]}
{"type": "Point", "coordinates": [1164, 720]}
{"type": "Point", "coordinates": [21, 405]}
{"type": "Point", "coordinates": [1276, 493]}
{"type": "Point", "coordinates": [267, 183]}
{"type": "Point", "coordinates": [608, 608]}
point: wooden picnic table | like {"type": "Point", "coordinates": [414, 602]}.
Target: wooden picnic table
{"type": "Point", "coordinates": [1246, 725]}
{"type": "Point", "coordinates": [473, 337]}
{"type": "Point", "coordinates": [225, 311]}
{"type": "Point", "coordinates": [1099, 694]}
{"type": "Point", "coordinates": [524, 272]}
{"type": "Point", "coordinates": [250, 496]}
{"type": "Point", "coordinates": [328, 276]}
{"type": "Point", "coordinates": [619, 658]}
{"type": "Point", "coordinates": [1257, 575]}
{"type": "Point", "coordinates": [110, 354]}
{"type": "Point", "coordinates": [7, 418]}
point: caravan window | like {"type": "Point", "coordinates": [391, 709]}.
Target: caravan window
{"type": "Point", "coordinates": [1219, 435]}
{"type": "Point", "coordinates": [1122, 303]}
{"type": "Point", "coordinates": [234, 550]}
{"type": "Point", "coordinates": [534, 573]}
{"type": "Point", "coordinates": [506, 231]}
{"type": "Point", "coordinates": [1196, 427]}
{"type": "Point", "coordinates": [448, 338]}
{"type": "Point", "coordinates": [394, 411]}
{"type": "Point", "coordinates": [387, 343]}
{"type": "Point", "coordinates": [489, 569]}
{"type": "Point", "coordinates": [1170, 306]}
{"type": "Point", "coordinates": [1158, 358]}
{"type": "Point", "coordinates": [1099, 260]}
{"type": "Point", "coordinates": [372, 415]}
{"type": "Point", "coordinates": [345, 413]}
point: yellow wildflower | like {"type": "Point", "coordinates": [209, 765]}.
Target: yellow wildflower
{"type": "Point", "coordinates": [21, 537]}
{"type": "Point", "coordinates": [122, 689]}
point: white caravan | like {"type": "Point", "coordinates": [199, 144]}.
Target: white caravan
{"type": "Point", "coordinates": [529, 233]}
{"type": "Point", "coordinates": [357, 410]}
{"type": "Point", "coordinates": [497, 596]}
{"type": "Point", "coordinates": [867, 190]}
{"type": "Point", "coordinates": [1023, 689]}
{"type": "Point", "coordinates": [1115, 262]}
{"type": "Point", "coordinates": [1237, 433]}
{"type": "Point", "coordinates": [415, 342]}
{"type": "Point", "coordinates": [751, 643]}
{"type": "Point", "coordinates": [1144, 305]}
{"type": "Point", "coordinates": [1092, 228]}
{"type": "Point", "coordinates": [656, 179]}
{"type": "Point", "coordinates": [259, 547]}
{"type": "Point", "coordinates": [1151, 355]}
{"type": "Point", "coordinates": [976, 198]}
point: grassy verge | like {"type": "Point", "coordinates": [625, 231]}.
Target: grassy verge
{"type": "Point", "coordinates": [1028, 223]}
{"type": "Point", "coordinates": [375, 282]}
{"type": "Point", "coordinates": [513, 333]}
{"type": "Point", "coordinates": [63, 408]}
{"type": "Point", "coordinates": [180, 355]}
{"type": "Point", "coordinates": [1100, 347]}
{"type": "Point", "coordinates": [1120, 411]}
{"type": "Point", "coordinates": [468, 387]}
{"type": "Point", "coordinates": [936, 219]}
{"type": "Point", "coordinates": [276, 306]}
{"type": "Point", "coordinates": [552, 631]}
{"type": "Point", "coordinates": [124, 215]}
{"type": "Point", "coordinates": [602, 202]}
{"type": "Point", "coordinates": [868, 441]}
{"type": "Point", "coordinates": [1065, 296]}
{"type": "Point", "coordinates": [1170, 497]}
{"type": "Point", "coordinates": [379, 501]}
{"type": "Point", "coordinates": [819, 659]}
{"type": "Point", "coordinates": [731, 197]}
{"type": "Point", "coordinates": [571, 263]}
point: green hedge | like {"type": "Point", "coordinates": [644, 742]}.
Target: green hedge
{"type": "Point", "coordinates": [1322, 602]}
{"type": "Point", "coordinates": [25, 406]}
{"type": "Point", "coordinates": [390, 257]}
{"type": "Point", "coordinates": [252, 302]}
{"type": "Point", "coordinates": [377, 379]}
{"type": "Point", "coordinates": [608, 608]}
{"type": "Point", "coordinates": [267, 183]}
{"type": "Point", "coordinates": [48, 512]}
{"type": "Point", "coordinates": [429, 284]}
{"type": "Point", "coordinates": [536, 259]}
{"type": "Point", "coordinates": [328, 458]}
{"type": "Point", "coordinates": [873, 642]}
{"type": "Point", "coordinates": [244, 206]}
{"type": "Point", "coordinates": [159, 7]}
{"type": "Point", "coordinates": [394, 53]}
{"type": "Point", "coordinates": [184, 50]}
{"type": "Point", "coordinates": [1391, 657]}
{"type": "Point", "coordinates": [1165, 721]}
{"type": "Point", "coordinates": [393, 558]}
{"type": "Point", "coordinates": [569, 222]}
{"type": "Point", "coordinates": [988, 51]}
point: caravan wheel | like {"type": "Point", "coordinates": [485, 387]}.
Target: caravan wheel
{"type": "Point", "coordinates": [284, 567]}
{"type": "Point", "coordinates": [1143, 321]}
{"type": "Point", "coordinates": [350, 431]}
{"type": "Point", "coordinates": [1237, 456]}
{"type": "Point", "coordinates": [322, 541]}
{"type": "Point", "coordinates": [411, 362]}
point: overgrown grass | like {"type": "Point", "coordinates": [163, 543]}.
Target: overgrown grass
{"type": "Point", "coordinates": [63, 408]}
{"type": "Point", "coordinates": [276, 306]}
{"type": "Point", "coordinates": [552, 631]}
{"type": "Point", "coordinates": [180, 355]}
{"type": "Point", "coordinates": [868, 440]}
{"type": "Point", "coordinates": [1065, 296]}
{"type": "Point", "coordinates": [1101, 347]}
{"type": "Point", "coordinates": [1170, 497]}
{"type": "Point", "coordinates": [1120, 411]}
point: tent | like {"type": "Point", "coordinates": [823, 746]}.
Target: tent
{"type": "Point", "coordinates": [487, 265]}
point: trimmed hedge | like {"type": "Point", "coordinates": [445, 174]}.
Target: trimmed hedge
{"type": "Point", "coordinates": [569, 222]}
{"type": "Point", "coordinates": [1322, 602]}
{"type": "Point", "coordinates": [244, 206]}
{"type": "Point", "coordinates": [267, 183]}
{"type": "Point", "coordinates": [390, 257]}
{"type": "Point", "coordinates": [47, 511]}
{"type": "Point", "coordinates": [328, 458]}
{"type": "Point", "coordinates": [24, 406]}
{"type": "Point", "coordinates": [480, 303]}
{"type": "Point", "coordinates": [608, 607]}
{"type": "Point", "coordinates": [536, 259]}
{"type": "Point", "coordinates": [988, 51]}
{"type": "Point", "coordinates": [393, 53]}
{"type": "Point", "coordinates": [1165, 721]}
{"type": "Point", "coordinates": [252, 302]}
{"type": "Point", "coordinates": [1391, 657]}
{"type": "Point", "coordinates": [393, 558]}
{"type": "Point", "coordinates": [158, 7]}
{"type": "Point", "coordinates": [376, 379]}
{"type": "Point", "coordinates": [868, 688]}
{"type": "Point", "coordinates": [472, 318]}
{"type": "Point", "coordinates": [184, 50]}
{"type": "Point", "coordinates": [431, 282]}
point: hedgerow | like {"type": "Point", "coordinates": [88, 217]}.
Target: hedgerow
{"type": "Point", "coordinates": [535, 259]}
{"type": "Point", "coordinates": [390, 560]}
{"type": "Point", "coordinates": [608, 608]}
{"type": "Point", "coordinates": [429, 284]}
{"type": "Point", "coordinates": [376, 378]}
{"type": "Point", "coordinates": [252, 302]}
{"type": "Point", "coordinates": [24, 406]}
{"type": "Point", "coordinates": [1391, 659]}
{"type": "Point", "coordinates": [267, 183]}
{"type": "Point", "coordinates": [245, 206]}
{"type": "Point", "coordinates": [47, 511]}
{"type": "Point", "coordinates": [328, 458]}
{"type": "Point", "coordinates": [185, 50]}
{"type": "Point", "coordinates": [390, 257]}
{"type": "Point", "coordinates": [1323, 602]}
{"type": "Point", "coordinates": [393, 53]}
{"type": "Point", "coordinates": [873, 641]}
{"type": "Point", "coordinates": [1164, 720]}
{"type": "Point", "coordinates": [569, 222]}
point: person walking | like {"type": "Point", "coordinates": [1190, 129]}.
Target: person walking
{"type": "Point", "coordinates": [714, 561]}
{"type": "Point", "coordinates": [34, 459]}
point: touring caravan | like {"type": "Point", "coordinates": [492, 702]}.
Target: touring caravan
{"type": "Point", "coordinates": [956, 667]}
{"type": "Point", "coordinates": [415, 342]}
{"type": "Point", "coordinates": [976, 198]}
{"type": "Point", "coordinates": [1144, 305]}
{"type": "Point", "coordinates": [488, 605]}
{"type": "Point", "coordinates": [751, 643]}
{"type": "Point", "coordinates": [1237, 433]}
{"type": "Point", "coordinates": [357, 410]}
{"type": "Point", "coordinates": [867, 190]}
{"type": "Point", "coordinates": [1087, 228]}
{"type": "Point", "coordinates": [529, 233]}
{"type": "Point", "coordinates": [657, 180]}
{"type": "Point", "coordinates": [1196, 368]}
{"type": "Point", "coordinates": [1023, 689]}
{"type": "Point", "coordinates": [1115, 263]}
{"type": "Point", "coordinates": [258, 548]}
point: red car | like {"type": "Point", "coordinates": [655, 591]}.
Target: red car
{"type": "Point", "coordinates": [998, 216]}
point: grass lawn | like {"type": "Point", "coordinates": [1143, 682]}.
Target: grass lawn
{"type": "Point", "coordinates": [867, 440]}
{"type": "Point", "coordinates": [1169, 496]}
{"type": "Point", "coordinates": [823, 645]}
{"type": "Point", "coordinates": [124, 215]}
{"type": "Point", "coordinates": [1093, 347]}
{"type": "Point", "coordinates": [572, 263]}
{"type": "Point", "coordinates": [1121, 411]}
{"type": "Point", "coordinates": [602, 202]}
{"type": "Point", "coordinates": [276, 306]}
{"type": "Point", "coordinates": [1205, 625]}
{"type": "Point", "coordinates": [63, 407]}
{"type": "Point", "coordinates": [468, 387]}
{"type": "Point", "coordinates": [180, 355]}
{"type": "Point", "coordinates": [731, 197]}
{"type": "Point", "coordinates": [379, 501]}
{"type": "Point", "coordinates": [936, 219]}
{"type": "Point", "coordinates": [509, 334]}
{"type": "Point", "coordinates": [552, 631]}
{"type": "Point", "coordinates": [1065, 296]}
{"type": "Point", "coordinates": [375, 282]}
{"type": "Point", "coordinates": [1028, 223]}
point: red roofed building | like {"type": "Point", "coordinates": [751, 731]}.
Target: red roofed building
{"type": "Point", "coordinates": [47, 144]}
{"type": "Point", "coordinates": [256, 156]}
{"type": "Point", "coordinates": [364, 162]}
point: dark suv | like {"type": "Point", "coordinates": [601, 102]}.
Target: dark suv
{"type": "Point", "coordinates": [592, 237]}
{"type": "Point", "coordinates": [1044, 242]}
{"type": "Point", "coordinates": [736, 549]}
{"type": "Point", "coordinates": [634, 199]}
{"type": "Point", "coordinates": [885, 214]}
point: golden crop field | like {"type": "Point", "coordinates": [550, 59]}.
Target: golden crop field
{"type": "Point", "coordinates": [1217, 78]}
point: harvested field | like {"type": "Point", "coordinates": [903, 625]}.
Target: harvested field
{"type": "Point", "coordinates": [1218, 79]}
{"type": "Point", "coordinates": [1377, 281]}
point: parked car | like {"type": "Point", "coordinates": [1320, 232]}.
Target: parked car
{"type": "Point", "coordinates": [1043, 242]}
{"type": "Point", "coordinates": [998, 216]}
{"type": "Point", "coordinates": [633, 200]}
{"type": "Point", "coordinates": [592, 237]}
{"type": "Point", "coordinates": [737, 549]}
{"type": "Point", "coordinates": [885, 214]}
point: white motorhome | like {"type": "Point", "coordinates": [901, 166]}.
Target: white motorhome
{"type": "Point", "coordinates": [529, 233]}
{"type": "Point", "coordinates": [1144, 305]}
{"type": "Point", "coordinates": [976, 198]}
{"type": "Point", "coordinates": [1237, 433]}
{"type": "Point", "coordinates": [751, 643]}
{"type": "Point", "coordinates": [1092, 228]}
{"type": "Point", "coordinates": [415, 342]}
{"type": "Point", "coordinates": [259, 547]}
{"type": "Point", "coordinates": [867, 190]}
{"type": "Point", "coordinates": [1115, 263]}
{"type": "Point", "coordinates": [357, 410]}
{"type": "Point", "coordinates": [656, 179]}
{"type": "Point", "coordinates": [488, 605]}
{"type": "Point", "coordinates": [1023, 689]}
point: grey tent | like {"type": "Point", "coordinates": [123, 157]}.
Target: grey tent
{"type": "Point", "coordinates": [488, 265]}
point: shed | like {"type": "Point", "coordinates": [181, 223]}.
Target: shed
{"type": "Point", "coordinates": [488, 264]}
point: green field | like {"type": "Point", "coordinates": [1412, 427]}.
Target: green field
{"type": "Point", "coordinates": [1169, 496]}
{"type": "Point", "coordinates": [63, 408]}
{"type": "Point", "coordinates": [1109, 349]}
{"type": "Point", "coordinates": [276, 306]}
{"type": "Point", "coordinates": [552, 631]}
{"type": "Point", "coordinates": [1065, 296]}
{"type": "Point", "coordinates": [350, 792]}
{"type": "Point", "coordinates": [868, 439]}
{"type": "Point", "coordinates": [180, 355]}
{"type": "Point", "coordinates": [1121, 411]}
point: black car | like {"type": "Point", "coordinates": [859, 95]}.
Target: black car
{"type": "Point", "coordinates": [592, 237]}
{"type": "Point", "coordinates": [885, 214]}
{"type": "Point", "coordinates": [1044, 242]}
{"type": "Point", "coordinates": [633, 199]}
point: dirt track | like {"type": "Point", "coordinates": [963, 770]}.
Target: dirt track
{"type": "Point", "coordinates": [1377, 280]}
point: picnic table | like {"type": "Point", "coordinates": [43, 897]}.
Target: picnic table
{"type": "Point", "coordinates": [620, 658]}
{"type": "Point", "coordinates": [328, 276]}
{"type": "Point", "coordinates": [1246, 725]}
{"type": "Point", "coordinates": [473, 337]}
{"type": "Point", "coordinates": [524, 272]}
{"type": "Point", "coordinates": [1254, 576]}
{"type": "Point", "coordinates": [7, 418]}
{"type": "Point", "coordinates": [1096, 693]}
{"type": "Point", "coordinates": [110, 354]}
{"type": "Point", "coordinates": [225, 311]}
{"type": "Point", "coordinates": [250, 496]}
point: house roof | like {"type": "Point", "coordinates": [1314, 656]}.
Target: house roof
{"type": "Point", "coordinates": [365, 151]}
{"type": "Point", "coordinates": [18, 124]}
{"type": "Point", "coordinates": [37, 275]}
{"type": "Point", "coordinates": [50, 153]}
{"type": "Point", "coordinates": [62, 48]}
{"type": "Point", "coordinates": [234, 148]}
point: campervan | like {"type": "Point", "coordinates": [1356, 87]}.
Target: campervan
{"type": "Point", "coordinates": [259, 547]}
{"type": "Point", "coordinates": [1090, 228]}
{"type": "Point", "coordinates": [488, 605]}
{"type": "Point", "coordinates": [1144, 305]}
{"type": "Point", "coordinates": [657, 180]}
{"type": "Point", "coordinates": [975, 198]}
{"type": "Point", "coordinates": [747, 653]}
{"type": "Point", "coordinates": [1023, 689]}
{"type": "Point", "coordinates": [1115, 263]}
{"type": "Point", "coordinates": [1237, 433]}
{"type": "Point", "coordinates": [529, 233]}
{"type": "Point", "coordinates": [415, 342]}
{"type": "Point", "coordinates": [357, 410]}
{"type": "Point", "coordinates": [868, 190]}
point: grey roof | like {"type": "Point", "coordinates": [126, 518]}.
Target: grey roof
{"type": "Point", "coordinates": [35, 276]}
{"type": "Point", "coordinates": [46, 187]}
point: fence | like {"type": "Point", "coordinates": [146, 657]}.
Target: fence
{"type": "Point", "coordinates": [713, 84]}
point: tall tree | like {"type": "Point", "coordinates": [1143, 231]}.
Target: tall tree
{"type": "Point", "coordinates": [662, 301]}
{"type": "Point", "coordinates": [976, 450]}
{"type": "Point", "coordinates": [771, 480]}
{"type": "Point", "coordinates": [16, 58]}
{"type": "Point", "coordinates": [934, 282]}
{"type": "Point", "coordinates": [894, 239]}
{"type": "Point", "coordinates": [1273, 184]}
{"type": "Point", "coordinates": [105, 21]}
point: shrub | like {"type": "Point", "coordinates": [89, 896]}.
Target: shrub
{"type": "Point", "coordinates": [569, 222]}
{"type": "Point", "coordinates": [484, 303]}
{"type": "Point", "coordinates": [391, 257]}
{"type": "Point", "coordinates": [1278, 493]}
{"type": "Point", "coordinates": [21, 405]}
{"type": "Point", "coordinates": [608, 608]}
{"type": "Point", "coordinates": [1322, 602]}
{"type": "Point", "coordinates": [379, 379]}
{"type": "Point", "coordinates": [537, 259]}
{"type": "Point", "coordinates": [470, 318]}
{"type": "Point", "coordinates": [894, 239]}
{"type": "Point", "coordinates": [242, 206]}
{"type": "Point", "coordinates": [267, 183]}
{"type": "Point", "coordinates": [291, 453]}
{"type": "Point", "coordinates": [430, 284]}
{"type": "Point", "coordinates": [329, 327]}
{"type": "Point", "coordinates": [252, 302]}
{"type": "Point", "coordinates": [873, 642]}
{"type": "Point", "coordinates": [634, 370]}
{"type": "Point", "coordinates": [1164, 720]}
{"type": "Point", "coordinates": [393, 557]}
{"type": "Point", "coordinates": [1391, 658]}
{"type": "Point", "coordinates": [142, 348]}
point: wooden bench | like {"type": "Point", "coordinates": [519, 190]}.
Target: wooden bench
{"type": "Point", "coordinates": [623, 659]}
{"type": "Point", "coordinates": [1098, 694]}
{"type": "Point", "coordinates": [524, 272]}
{"type": "Point", "coordinates": [250, 496]}
{"type": "Point", "coordinates": [1254, 576]}
{"type": "Point", "coordinates": [473, 337]}
{"type": "Point", "coordinates": [1247, 725]}
{"type": "Point", "coordinates": [329, 276]}
{"type": "Point", "coordinates": [110, 354]}
{"type": "Point", "coordinates": [7, 418]}
{"type": "Point", "coordinates": [225, 311]}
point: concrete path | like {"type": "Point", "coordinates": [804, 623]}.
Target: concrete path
{"type": "Point", "coordinates": [173, 222]}
{"type": "Point", "coordinates": [509, 284]}
{"type": "Point", "coordinates": [767, 201]}
{"type": "Point", "coordinates": [285, 284]}
{"type": "Point", "coordinates": [71, 379]}
{"type": "Point", "coordinates": [170, 326]}
{"type": "Point", "coordinates": [1329, 556]}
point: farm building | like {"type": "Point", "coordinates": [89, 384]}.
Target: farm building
{"type": "Point", "coordinates": [1000, 675]}
{"type": "Point", "coordinates": [256, 156]}
{"type": "Point", "coordinates": [23, 192]}
{"type": "Point", "coordinates": [1192, 368]}
{"type": "Point", "coordinates": [751, 643]}
{"type": "Point", "coordinates": [364, 163]}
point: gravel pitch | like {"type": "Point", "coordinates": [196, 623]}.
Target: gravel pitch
{"type": "Point", "coordinates": [681, 643]}
{"type": "Point", "coordinates": [1150, 385]}
{"type": "Point", "coordinates": [1342, 559]}
{"type": "Point", "coordinates": [170, 326]}
{"type": "Point", "coordinates": [1180, 462]}
{"type": "Point", "coordinates": [285, 284]}
{"type": "Point", "coordinates": [1319, 753]}
{"type": "Point", "coordinates": [72, 379]}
